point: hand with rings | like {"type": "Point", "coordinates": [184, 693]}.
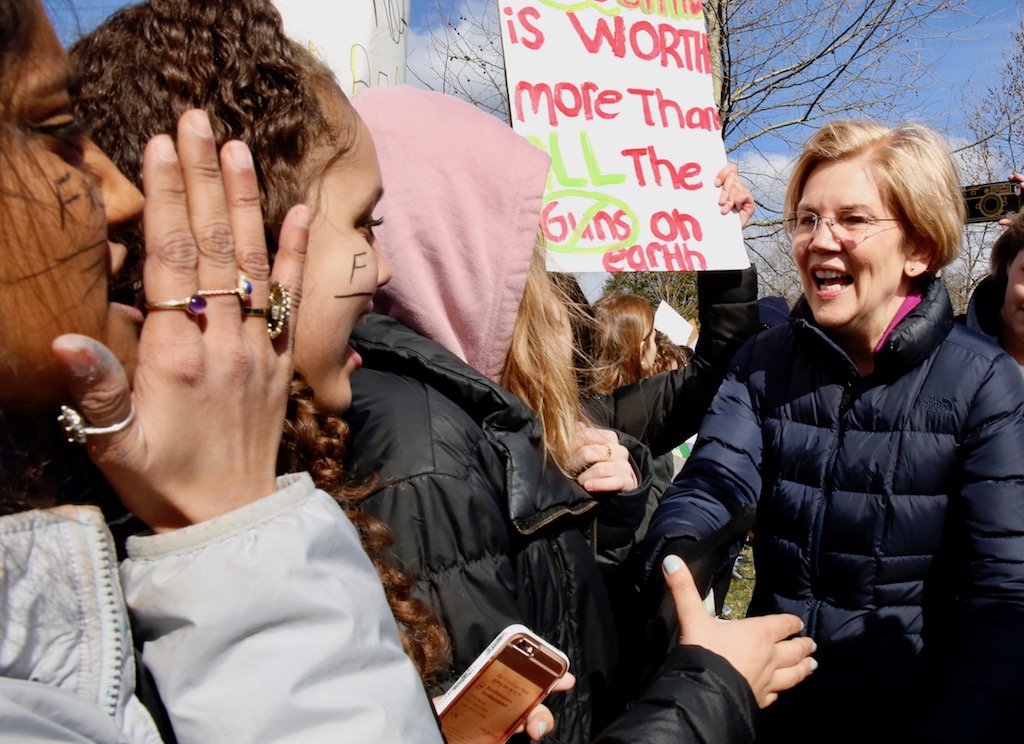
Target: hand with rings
{"type": "Point", "coordinates": [197, 433]}
{"type": "Point", "coordinates": [603, 464]}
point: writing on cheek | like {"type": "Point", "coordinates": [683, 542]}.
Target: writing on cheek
{"type": "Point", "coordinates": [358, 262]}
{"type": "Point", "coordinates": [68, 193]}
{"type": "Point", "coordinates": [64, 198]}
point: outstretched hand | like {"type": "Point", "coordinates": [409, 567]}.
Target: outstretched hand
{"type": "Point", "coordinates": [734, 194]}
{"type": "Point", "coordinates": [762, 649]}
{"type": "Point", "coordinates": [210, 390]}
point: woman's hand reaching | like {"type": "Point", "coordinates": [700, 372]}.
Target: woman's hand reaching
{"type": "Point", "coordinates": [762, 649]}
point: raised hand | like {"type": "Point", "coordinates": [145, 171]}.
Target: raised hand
{"type": "Point", "coordinates": [734, 194]}
{"type": "Point", "coordinates": [210, 390]}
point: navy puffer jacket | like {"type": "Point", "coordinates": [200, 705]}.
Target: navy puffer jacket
{"type": "Point", "coordinates": [890, 518]}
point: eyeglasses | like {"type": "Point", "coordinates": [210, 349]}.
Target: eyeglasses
{"type": "Point", "coordinates": [849, 227]}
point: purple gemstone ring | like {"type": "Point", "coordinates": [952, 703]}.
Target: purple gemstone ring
{"type": "Point", "coordinates": [193, 305]}
{"type": "Point", "coordinates": [243, 290]}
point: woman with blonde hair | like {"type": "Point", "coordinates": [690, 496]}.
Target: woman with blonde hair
{"type": "Point", "coordinates": [880, 444]}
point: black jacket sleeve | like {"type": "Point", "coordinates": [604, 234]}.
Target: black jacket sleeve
{"type": "Point", "coordinates": [666, 410]}
{"type": "Point", "coordinates": [621, 513]}
{"type": "Point", "coordinates": [697, 698]}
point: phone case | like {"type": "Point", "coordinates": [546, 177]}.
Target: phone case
{"type": "Point", "coordinates": [493, 696]}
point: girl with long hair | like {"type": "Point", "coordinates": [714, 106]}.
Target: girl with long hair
{"type": "Point", "coordinates": [183, 421]}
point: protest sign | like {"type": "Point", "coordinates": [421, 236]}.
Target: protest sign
{"type": "Point", "coordinates": [673, 325]}
{"type": "Point", "coordinates": [619, 93]}
{"type": "Point", "coordinates": [362, 42]}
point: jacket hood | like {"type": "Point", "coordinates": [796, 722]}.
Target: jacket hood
{"type": "Point", "coordinates": [984, 306]}
{"type": "Point", "coordinates": [461, 206]}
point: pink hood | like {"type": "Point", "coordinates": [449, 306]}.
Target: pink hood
{"type": "Point", "coordinates": [461, 208]}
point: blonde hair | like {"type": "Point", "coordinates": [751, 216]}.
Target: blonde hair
{"type": "Point", "coordinates": [916, 179]}
{"type": "Point", "coordinates": [535, 369]}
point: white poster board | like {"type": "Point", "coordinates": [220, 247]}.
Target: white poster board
{"type": "Point", "coordinates": [362, 41]}
{"type": "Point", "coordinates": [673, 325]}
{"type": "Point", "coordinates": [619, 93]}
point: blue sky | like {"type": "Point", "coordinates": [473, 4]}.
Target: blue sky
{"type": "Point", "coordinates": [966, 56]}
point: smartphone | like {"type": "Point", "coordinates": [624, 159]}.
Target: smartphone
{"type": "Point", "coordinates": [494, 695]}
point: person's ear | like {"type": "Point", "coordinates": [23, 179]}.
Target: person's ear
{"type": "Point", "coordinates": [917, 261]}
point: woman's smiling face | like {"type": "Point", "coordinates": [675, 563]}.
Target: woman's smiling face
{"type": "Point", "coordinates": [58, 195]}
{"type": "Point", "coordinates": [854, 289]}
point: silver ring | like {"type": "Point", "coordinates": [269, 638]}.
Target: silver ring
{"type": "Point", "coordinates": [73, 424]}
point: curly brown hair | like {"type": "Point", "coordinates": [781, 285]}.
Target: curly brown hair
{"type": "Point", "coordinates": [148, 64]}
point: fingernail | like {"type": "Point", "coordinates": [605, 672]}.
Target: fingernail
{"type": "Point", "coordinates": [671, 564]}
{"type": "Point", "coordinates": [542, 727]}
{"type": "Point", "coordinates": [239, 156]}
{"type": "Point", "coordinates": [814, 664]}
{"type": "Point", "coordinates": [82, 364]}
{"type": "Point", "coordinates": [302, 216]}
{"type": "Point", "coordinates": [164, 148]}
{"type": "Point", "coordinates": [814, 647]}
{"type": "Point", "coordinates": [199, 124]}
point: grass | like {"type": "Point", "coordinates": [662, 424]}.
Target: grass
{"type": "Point", "coordinates": [738, 597]}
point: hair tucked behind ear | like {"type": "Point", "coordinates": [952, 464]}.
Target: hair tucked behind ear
{"type": "Point", "coordinates": [540, 365]}
{"type": "Point", "coordinates": [148, 64]}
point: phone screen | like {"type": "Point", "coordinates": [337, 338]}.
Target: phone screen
{"type": "Point", "coordinates": [490, 707]}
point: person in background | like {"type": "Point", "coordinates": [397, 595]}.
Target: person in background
{"type": "Point", "coordinates": [624, 348]}
{"type": "Point", "coordinates": [996, 308]}
{"type": "Point", "coordinates": [879, 442]}
{"type": "Point", "coordinates": [468, 407]}
{"type": "Point", "coordinates": [669, 356]}
{"type": "Point", "coordinates": [188, 447]}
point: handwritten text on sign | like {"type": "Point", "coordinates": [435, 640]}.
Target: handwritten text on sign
{"type": "Point", "coordinates": [363, 42]}
{"type": "Point", "coordinates": [619, 93]}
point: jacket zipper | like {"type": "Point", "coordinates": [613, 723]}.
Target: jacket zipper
{"type": "Point", "coordinates": [819, 519]}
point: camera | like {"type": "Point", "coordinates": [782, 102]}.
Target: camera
{"type": "Point", "coordinates": [987, 202]}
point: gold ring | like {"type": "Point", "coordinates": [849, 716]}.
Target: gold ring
{"type": "Point", "coordinates": [193, 305]}
{"type": "Point", "coordinates": [279, 304]}
{"type": "Point", "coordinates": [608, 456]}
{"type": "Point", "coordinates": [243, 290]}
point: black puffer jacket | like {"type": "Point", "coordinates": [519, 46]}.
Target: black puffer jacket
{"type": "Point", "coordinates": [890, 517]}
{"type": "Point", "coordinates": [492, 533]}
{"type": "Point", "coordinates": [665, 410]}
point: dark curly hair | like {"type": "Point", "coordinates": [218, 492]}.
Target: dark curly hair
{"type": "Point", "coordinates": [148, 64]}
